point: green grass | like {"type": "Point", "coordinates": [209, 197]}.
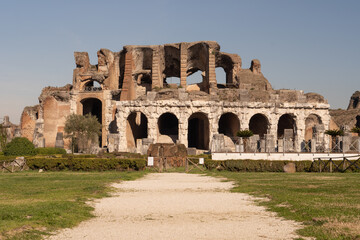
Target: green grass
{"type": "Point", "coordinates": [33, 204]}
{"type": "Point", "coordinates": [327, 204]}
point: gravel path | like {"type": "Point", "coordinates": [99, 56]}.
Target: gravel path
{"type": "Point", "coordinates": [179, 206]}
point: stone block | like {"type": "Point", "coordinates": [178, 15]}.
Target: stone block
{"type": "Point", "coordinates": [290, 168]}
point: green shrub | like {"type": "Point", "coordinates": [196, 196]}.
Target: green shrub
{"type": "Point", "coordinates": [245, 133]}
{"type": "Point", "coordinates": [19, 146]}
{"type": "Point", "coordinates": [257, 165]}
{"type": "Point", "coordinates": [86, 164]}
{"type": "Point", "coordinates": [1, 154]}
{"type": "Point", "coordinates": [49, 151]}
{"type": "Point", "coordinates": [335, 132]}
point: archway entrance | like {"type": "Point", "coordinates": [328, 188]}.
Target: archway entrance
{"type": "Point", "coordinates": [286, 121]}
{"type": "Point", "coordinates": [311, 123]}
{"type": "Point", "coordinates": [136, 128]}
{"type": "Point", "coordinates": [198, 131]}
{"type": "Point", "coordinates": [93, 106]}
{"type": "Point", "coordinates": [168, 125]}
{"type": "Point", "coordinates": [229, 124]}
{"type": "Point", "coordinates": [259, 124]}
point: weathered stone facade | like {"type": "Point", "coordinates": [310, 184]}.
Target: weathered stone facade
{"type": "Point", "coordinates": [129, 93]}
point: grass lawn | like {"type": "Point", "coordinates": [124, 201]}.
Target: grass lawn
{"type": "Point", "coordinates": [327, 203]}
{"type": "Point", "coordinates": [33, 204]}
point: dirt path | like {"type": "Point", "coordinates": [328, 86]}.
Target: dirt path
{"type": "Point", "coordinates": [179, 206]}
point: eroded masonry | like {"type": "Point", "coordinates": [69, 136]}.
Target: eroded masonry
{"type": "Point", "coordinates": [142, 95]}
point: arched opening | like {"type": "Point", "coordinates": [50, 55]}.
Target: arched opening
{"type": "Point", "coordinates": [229, 124]}
{"type": "Point", "coordinates": [172, 67]}
{"type": "Point", "coordinates": [142, 72]}
{"type": "Point", "coordinates": [312, 124]}
{"type": "Point", "coordinates": [259, 124]}
{"type": "Point", "coordinates": [168, 125]}
{"type": "Point", "coordinates": [198, 60]}
{"type": "Point", "coordinates": [93, 106]}
{"type": "Point", "coordinates": [221, 77]}
{"type": "Point", "coordinates": [286, 127]}
{"type": "Point", "coordinates": [136, 128]}
{"type": "Point", "coordinates": [198, 131]}
{"type": "Point", "coordinates": [113, 128]}
{"type": "Point", "coordinates": [224, 71]}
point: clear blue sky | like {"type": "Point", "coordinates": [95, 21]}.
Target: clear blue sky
{"type": "Point", "coordinates": [309, 45]}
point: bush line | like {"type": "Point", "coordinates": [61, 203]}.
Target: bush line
{"type": "Point", "coordinates": [267, 166]}
{"type": "Point", "coordinates": [85, 164]}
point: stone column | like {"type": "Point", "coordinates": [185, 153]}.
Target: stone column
{"type": "Point", "coordinates": [183, 64]}
{"type": "Point", "coordinates": [183, 131]}
{"type": "Point", "coordinates": [211, 74]}
{"type": "Point", "coordinates": [156, 77]}
{"type": "Point", "coordinates": [300, 133]}
{"type": "Point", "coordinates": [121, 122]}
{"type": "Point", "coordinates": [153, 128]}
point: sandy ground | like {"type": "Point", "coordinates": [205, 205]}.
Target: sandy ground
{"type": "Point", "coordinates": [179, 206]}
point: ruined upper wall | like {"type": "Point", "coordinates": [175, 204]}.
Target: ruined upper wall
{"type": "Point", "coordinates": [138, 69]}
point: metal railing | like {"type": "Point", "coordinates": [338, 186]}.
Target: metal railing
{"type": "Point", "coordinates": [93, 89]}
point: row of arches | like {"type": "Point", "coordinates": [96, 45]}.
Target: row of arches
{"type": "Point", "coordinates": [228, 124]}
{"type": "Point", "coordinates": [198, 125]}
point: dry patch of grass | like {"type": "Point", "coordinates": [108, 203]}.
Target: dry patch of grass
{"type": "Point", "coordinates": [339, 228]}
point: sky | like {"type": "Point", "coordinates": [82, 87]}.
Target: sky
{"type": "Point", "coordinates": [304, 45]}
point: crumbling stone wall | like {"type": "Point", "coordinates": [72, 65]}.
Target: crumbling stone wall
{"type": "Point", "coordinates": [135, 80]}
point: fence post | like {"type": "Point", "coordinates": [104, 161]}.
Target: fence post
{"type": "Point", "coordinates": [331, 166]}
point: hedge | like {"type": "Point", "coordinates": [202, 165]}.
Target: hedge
{"type": "Point", "coordinates": [85, 164]}
{"type": "Point", "coordinates": [267, 166]}
{"type": "Point", "coordinates": [49, 151]}
{"type": "Point", "coordinates": [19, 146]}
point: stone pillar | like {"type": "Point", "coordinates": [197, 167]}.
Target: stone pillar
{"type": "Point", "coordinates": [128, 89]}
{"type": "Point", "coordinates": [211, 74]}
{"type": "Point", "coordinates": [153, 128]}
{"type": "Point", "coordinates": [313, 145]}
{"type": "Point", "coordinates": [270, 143]}
{"type": "Point", "coordinates": [121, 123]}
{"type": "Point", "coordinates": [262, 145]}
{"type": "Point", "coordinates": [183, 64]}
{"type": "Point", "coordinates": [183, 132]}
{"type": "Point", "coordinates": [156, 77]}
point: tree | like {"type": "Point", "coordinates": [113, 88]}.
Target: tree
{"type": "Point", "coordinates": [3, 137]}
{"type": "Point", "coordinates": [83, 131]}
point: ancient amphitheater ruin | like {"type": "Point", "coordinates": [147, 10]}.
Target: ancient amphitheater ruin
{"type": "Point", "coordinates": [133, 95]}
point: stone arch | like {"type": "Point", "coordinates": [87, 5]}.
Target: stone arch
{"type": "Point", "coordinates": [136, 128]}
{"type": "Point", "coordinates": [259, 124]}
{"type": "Point", "coordinates": [225, 62]}
{"type": "Point", "coordinates": [168, 125]}
{"type": "Point", "coordinates": [198, 131]}
{"type": "Point", "coordinates": [286, 121]}
{"type": "Point", "coordinates": [313, 123]}
{"type": "Point", "coordinates": [229, 124]}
